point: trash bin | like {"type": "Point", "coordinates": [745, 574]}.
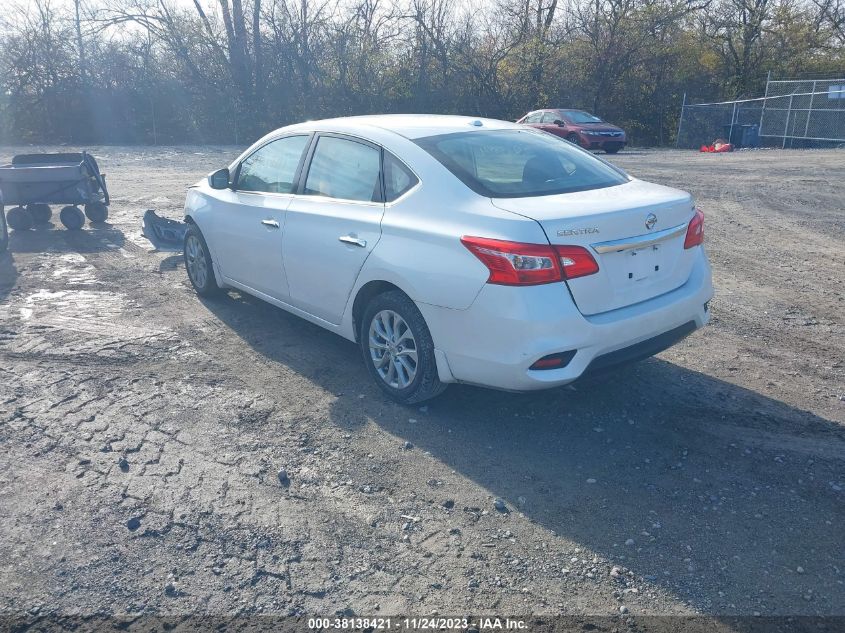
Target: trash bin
{"type": "Point", "coordinates": [751, 135]}
{"type": "Point", "coordinates": [742, 135]}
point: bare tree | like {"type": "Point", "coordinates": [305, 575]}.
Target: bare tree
{"type": "Point", "coordinates": [231, 69]}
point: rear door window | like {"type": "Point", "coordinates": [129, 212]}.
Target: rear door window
{"type": "Point", "coordinates": [344, 169]}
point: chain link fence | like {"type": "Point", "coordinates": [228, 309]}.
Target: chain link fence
{"type": "Point", "coordinates": [794, 113]}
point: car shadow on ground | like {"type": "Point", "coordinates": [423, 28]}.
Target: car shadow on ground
{"type": "Point", "coordinates": [695, 484]}
{"type": "Point", "coordinates": [171, 262]}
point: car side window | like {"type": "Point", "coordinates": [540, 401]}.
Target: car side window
{"type": "Point", "coordinates": [344, 169]}
{"type": "Point", "coordinates": [550, 117]}
{"type": "Point", "coordinates": [533, 118]}
{"type": "Point", "coordinates": [397, 177]}
{"type": "Point", "coordinates": [272, 167]}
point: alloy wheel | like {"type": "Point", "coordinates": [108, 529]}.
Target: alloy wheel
{"type": "Point", "coordinates": [195, 258]}
{"type": "Point", "coordinates": [393, 349]}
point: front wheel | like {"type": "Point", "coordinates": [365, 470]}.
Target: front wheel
{"type": "Point", "coordinates": [198, 263]}
{"type": "Point", "coordinates": [573, 138]}
{"type": "Point", "coordinates": [612, 150]}
{"type": "Point", "coordinates": [398, 350]}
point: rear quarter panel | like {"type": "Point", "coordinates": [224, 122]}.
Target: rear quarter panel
{"type": "Point", "coordinates": [420, 249]}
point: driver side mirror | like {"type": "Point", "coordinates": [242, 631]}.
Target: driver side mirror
{"type": "Point", "coordinates": [559, 123]}
{"type": "Point", "coordinates": [219, 179]}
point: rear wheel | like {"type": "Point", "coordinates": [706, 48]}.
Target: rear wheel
{"type": "Point", "coordinates": [72, 217]}
{"type": "Point", "coordinates": [198, 263]}
{"type": "Point", "coordinates": [19, 219]}
{"type": "Point", "coordinates": [398, 350]}
{"type": "Point", "coordinates": [40, 212]}
{"type": "Point", "coordinates": [97, 212]}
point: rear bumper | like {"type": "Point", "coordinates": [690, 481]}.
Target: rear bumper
{"type": "Point", "coordinates": [641, 350]}
{"type": "Point", "coordinates": [495, 341]}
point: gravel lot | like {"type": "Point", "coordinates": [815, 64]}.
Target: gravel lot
{"type": "Point", "coordinates": [142, 430]}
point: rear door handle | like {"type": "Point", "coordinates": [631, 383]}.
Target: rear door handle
{"type": "Point", "coordinates": [271, 223]}
{"type": "Point", "coordinates": [354, 241]}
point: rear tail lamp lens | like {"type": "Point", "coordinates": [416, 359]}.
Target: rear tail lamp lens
{"type": "Point", "coordinates": [695, 230]}
{"type": "Point", "coordinates": [515, 263]}
{"type": "Point", "coordinates": [520, 264]}
{"type": "Point", "coordinates": [576, 261]}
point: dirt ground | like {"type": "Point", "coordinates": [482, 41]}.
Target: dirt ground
{"type": "Point", "coordinates": [142, 430]}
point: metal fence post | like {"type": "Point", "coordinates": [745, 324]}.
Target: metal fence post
{"type": "Point", "coordinates": [810, 111]}
{"type": "Point", "coordinates": [681, 121]}
{"type": "Point", "coordinates": [765, 101]}
{"type": "Point", "coordinates": [733, 118]}
{"type": "Point", "coordinates": [786, 125]}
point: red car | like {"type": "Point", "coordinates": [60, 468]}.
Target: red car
{"type": "Point", "coordinates": [579, 127]}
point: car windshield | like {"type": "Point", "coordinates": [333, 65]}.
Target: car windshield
{"type": "Point", "coordinates": [520, 163]}
{"type": "Point", "coordinates": [576, 116]}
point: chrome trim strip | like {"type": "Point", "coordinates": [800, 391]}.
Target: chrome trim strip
{"type": "Point", "coordinates": [641, 241]}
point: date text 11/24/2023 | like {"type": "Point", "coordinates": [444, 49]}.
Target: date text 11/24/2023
{"type": "Point", "coordinates": [431, 623]}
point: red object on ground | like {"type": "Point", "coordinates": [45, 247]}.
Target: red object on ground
{"type": "Point", "coordinates": [718, 147]}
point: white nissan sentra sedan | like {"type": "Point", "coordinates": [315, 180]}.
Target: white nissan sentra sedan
{"type": "Point", "coordinates": [454, 249]}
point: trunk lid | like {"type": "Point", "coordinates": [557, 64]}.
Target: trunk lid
{"type": "Point", "coordinates": [639, 256]}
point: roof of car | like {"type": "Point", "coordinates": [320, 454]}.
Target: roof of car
{"type": "Point", "coordinates": [408, 125]}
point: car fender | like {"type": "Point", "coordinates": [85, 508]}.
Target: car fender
{"type": "Point", "coordinates": [198, 211]}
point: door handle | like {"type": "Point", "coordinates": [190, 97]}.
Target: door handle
{"type": "Point", "coordinates": [354, 241]}
{"type": "Point", "coordinates": [271, 223]}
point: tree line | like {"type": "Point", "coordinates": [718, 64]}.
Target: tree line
{"type": "Point", "coordinates": [227, 71]}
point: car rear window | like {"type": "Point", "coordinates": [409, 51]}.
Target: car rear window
{"type": "Point", "coordinates": [520, 163]}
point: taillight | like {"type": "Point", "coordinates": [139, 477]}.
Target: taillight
{"type": "Point", "coordinates": [519, 264]}
{"type": "Point", "coordinates": [695, 230]}
{"type": "Point", "coordinates": [576, 261]}
{"type": "Point", "coordinates": [514, 263]}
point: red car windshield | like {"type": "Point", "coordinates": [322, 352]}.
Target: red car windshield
{"type": "Point", "coordinates": [577, 116]}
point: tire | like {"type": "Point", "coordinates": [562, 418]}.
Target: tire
{"type": "Point", "coordinates": [612, 150]}
{"type": "Point", "coordinates": [40, 212]}
{"type": "Point", "coordinates": [72, 217]}
{"type": "Point", "coordinates": [96, 212]}
{"type": "Point", "coordinates": [395, 377]}
{"type": "Point", "coordinates": [198, 263]}
{"type": "Point", "coordinates": [19, 219]}
{"type": "Point", "coordinates": [4, 232]}
{"type": "Point", "coordinates": [573, 138]}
